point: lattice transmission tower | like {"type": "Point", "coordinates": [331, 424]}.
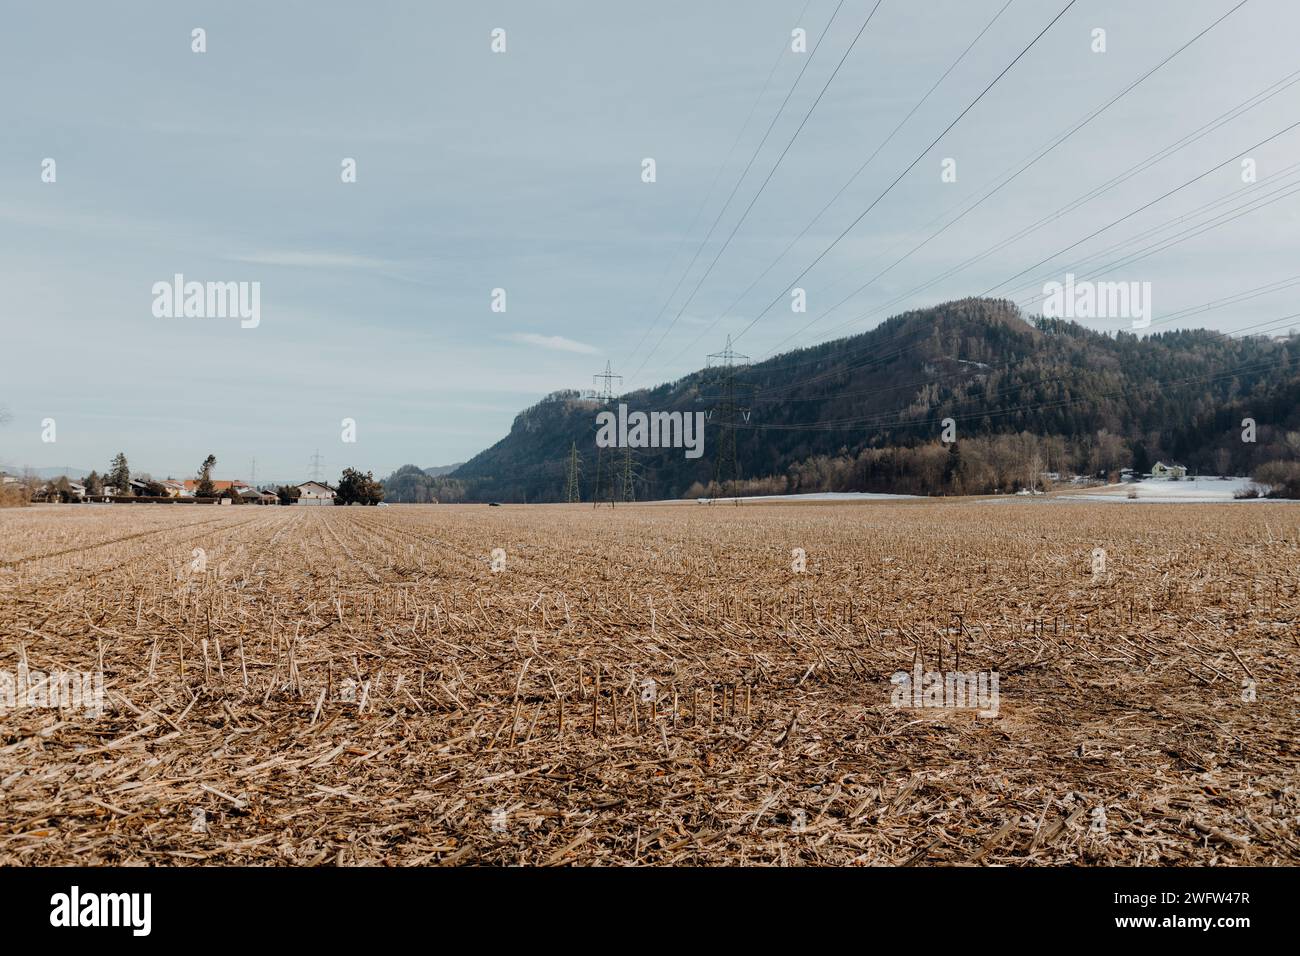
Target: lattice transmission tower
{"type": "Point", "coordinates": [730, 397]}
{"type": "Point", "coordinates": [572, 491]}
{"type": "Point", "coordinates": [605, 380]}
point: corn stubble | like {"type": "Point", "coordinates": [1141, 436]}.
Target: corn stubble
{"type": "Point", "coordinates": [653, 685]}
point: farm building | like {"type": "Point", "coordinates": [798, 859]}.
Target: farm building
{"type": "Point", "coordinates": [315, 493]}
{"type": "Point", "coordinates": [1161, 470]}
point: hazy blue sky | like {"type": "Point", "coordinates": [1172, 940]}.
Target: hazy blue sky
{"type": "Point", "coordinates": [522, 170]}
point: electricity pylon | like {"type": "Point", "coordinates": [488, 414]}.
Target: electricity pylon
{"type": "Point", "coordinates": [727, 414]}
{"type": "Point", "coordinates": [572, 492]}
{"type": "Point", "coordinates": [606, 391]}
{"type": "Point", "coordinates": [606, 394]}
{"type": "Point", "coordinates": [629, 472]}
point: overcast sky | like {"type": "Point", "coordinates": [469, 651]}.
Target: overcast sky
{"type": "Point", "coordinates": [522, 170]}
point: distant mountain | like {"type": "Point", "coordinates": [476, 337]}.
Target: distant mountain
{"type": "Point", "coordinates": [46, 473]}
{"type": "Point", "coordinates": [866, 413]}
{"type": "Point", "coordinates": [412, 484]}
{"type": "Point", "coordinates": [438, 470]}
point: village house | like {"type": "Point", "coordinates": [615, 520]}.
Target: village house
{"type": "Point", "coordinates": [1161, 470]}
{"type": "Point", "coordinates": [241, 488]}
{"type": "Point", "coordinates": [315, 493]}
{"type": "Point", "coordinates": [176, 489]}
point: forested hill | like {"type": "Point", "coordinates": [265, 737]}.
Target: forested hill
{"type": "Point", "coordinates": [866, 412]}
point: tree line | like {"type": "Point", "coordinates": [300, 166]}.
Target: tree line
{"type": "Point", "coordinates": [354, 486]}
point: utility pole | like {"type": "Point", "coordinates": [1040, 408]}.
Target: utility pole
{"type": "Point", "coordinates": [315, 466]}
{"type": "Point", "coordinates": [252, 473]}
{"type": "Point", "coordinates": [605, 379]}
{"type": "Point", "coordinates": [572, 493]}
{"type": "Point", "coordinates": [727, 414]}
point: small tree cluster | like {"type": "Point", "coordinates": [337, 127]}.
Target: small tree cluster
{"type": "Point", "coordinates": [358, 488]}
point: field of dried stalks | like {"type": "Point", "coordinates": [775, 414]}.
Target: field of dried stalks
{"type": "Point", "coordinates": [377, 686]}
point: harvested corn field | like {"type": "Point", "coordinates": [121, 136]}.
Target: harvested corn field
{"type": "Point", "coordinates": [652, 684]}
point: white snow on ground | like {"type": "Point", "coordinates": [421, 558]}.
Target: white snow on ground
{"type": "Point", "coordinates": [1206, 489]}
{"type": "Point", "coordinates": [811, 496]}
{"type": "Point", "coordinates": [822, 496]}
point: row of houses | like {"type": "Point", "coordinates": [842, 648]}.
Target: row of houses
{"type": "Point", "coordinates": [1158, 470]}
{"type": "Point", "coordinates": [309, 493]}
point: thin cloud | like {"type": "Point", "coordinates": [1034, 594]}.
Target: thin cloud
{"type": "Point", "coordinates": [557, 343]}
{"type": "Point", "coordinates": [314, 260]}
{"type": "Point", "coordinates": [307, 259]}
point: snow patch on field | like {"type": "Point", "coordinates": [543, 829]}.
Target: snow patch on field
{"type": "Point", "coordinates": [810, 496]}
{"type": "Point", "coordinates": [825, 496]}
{"type": "Point", "coordinates": [1206, 489]}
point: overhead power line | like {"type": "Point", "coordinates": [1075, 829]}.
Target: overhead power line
{"type": "Point", "coordinates": [709, 195]}
{"type": "Point", "coordinates": [812, 54]}
{"type": "Point", "coordinates": [877, 310]}
{"type": "Point", "coordinates": [1004, 180]}
{"type": "Point", "coordinates": [888, 189]}
{"type": "Point", "coordinates": [1142, 208]}
{"type": "Point", "coordinates": [762, 186]}
{"type": "Point", "coordinates": [1252, 204]}
{"type": "Point", "coordinates": [847, 183]}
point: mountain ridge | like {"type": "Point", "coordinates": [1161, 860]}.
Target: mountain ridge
{"type": "Point", "coordinates": [866, 412]}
